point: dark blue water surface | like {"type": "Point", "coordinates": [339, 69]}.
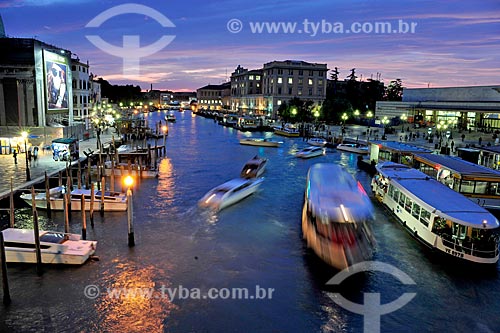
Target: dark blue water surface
{"type": "Point", "coordinates": [256, 242]}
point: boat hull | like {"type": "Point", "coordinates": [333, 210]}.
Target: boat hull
{"type": "Point", "coordinates": [260, 143]}
{"type": "Point", "coordinates": [211, 200]}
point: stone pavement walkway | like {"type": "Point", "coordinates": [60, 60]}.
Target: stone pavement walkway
{"type": "Point", "coordinates": [45, 162]}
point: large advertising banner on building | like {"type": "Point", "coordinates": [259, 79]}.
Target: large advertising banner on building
{"type": "Point", "coordinates": [56, 80]}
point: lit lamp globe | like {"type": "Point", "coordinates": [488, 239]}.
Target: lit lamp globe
{"type": "Point", "coordinates": [128, 181]}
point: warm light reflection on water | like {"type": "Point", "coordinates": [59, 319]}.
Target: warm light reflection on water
{"type": "Point", "coordinates": [143, 309]}
{"type": "Point", "coordinates": [166, 184]}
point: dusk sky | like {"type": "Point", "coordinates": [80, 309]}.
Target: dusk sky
{"type": "Point", "coordinates": [454, 43]}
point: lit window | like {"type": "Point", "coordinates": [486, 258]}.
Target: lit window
{"type": "Point", "coordinates": [279, 102]}
{"type": "Point", "coordinates": [290, 80]}
{"type": "Point", "coordinates": [280, 80]}
{"type": "Point", "coordinates": [310, 81]}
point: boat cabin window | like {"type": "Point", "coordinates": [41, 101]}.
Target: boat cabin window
{"type": "Point", "coordinates": [425, 217]}
{"type": "Point", "coordinates": [415, 211]}
{"type": "Point", "coordinates": [241, 187]}
{"type": "Point", "coordinates": [408, 204]}
{"type": "Point", "coordinates": [391, 191]}
{"type": "Point", "coordinates": [56, 238]}
{"type": "Point", "coordinates": [396, 194]}
{"type": "Point", "coordinates": [402, 199]}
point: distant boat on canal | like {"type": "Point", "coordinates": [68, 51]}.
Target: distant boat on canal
{"type": "Point", "coordinates": [261, 142]}
{"type": "Point", "coordinates": [254, 168]}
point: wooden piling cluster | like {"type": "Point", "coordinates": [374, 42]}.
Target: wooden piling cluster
{"type": "Point", "coordinates": [148, 158]}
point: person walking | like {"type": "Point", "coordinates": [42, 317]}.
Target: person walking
{"type": "Point", "coordinates": [480, 140]}
{"type": "Point", "coordinates": [463, 137]}
{"type": "Point", "coordinates": [14, 154]}
{"type": "Point", "coordinates": [35, 153]}
{"type": "Point", "coordinates": [452, 145]}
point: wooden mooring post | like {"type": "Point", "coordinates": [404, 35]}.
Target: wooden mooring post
{"type": "Point", "coordinates": [103, 189]}
{"type": "Point", "coordinates": [92, 199]}
{"type": "Point", "coordinates": [47, 196]}
{"type": "Point", "coordinates": [36, 232]}
{"type": "Point", "coordinates": [5, 279]}
{"type": "Point", "coordinates": [12, 216]}
{"type": "Point", "coordinates": [84, 218]}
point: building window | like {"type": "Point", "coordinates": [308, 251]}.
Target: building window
{"type": "Point", "coordinates": [289, 90]}
{"type": "Point", "coordinates": [310, 82]}
{"type": "Point", "coordinates": [320, 82]}
{"type": "Point", "coordinates": [250, 77]}
{"type": "Point", "coordinates": [278, 102]}
{"type": "Point", "coordinates": [290, 80]}
{"type": "Point", "coordinates": [311, 73]}
{"type": "Point", "coordinates": [290, 72]}
{"type": "Point", "coordinates": [280, 80]}
{"type": "Point", "coordinates": [280, 71]}
{"type": "Point", "coordinates": [257, 77]}
{"type": "Point", "coordinates": [299, 91]}
{"type": "Point", "coordinates": [301, 72]}
{"type": "Point", "coordinates": [279, 90]}
{"type": "Point", "coordinates": [310, 91]}
{"type": "Point", "coordinates": [300, 81]}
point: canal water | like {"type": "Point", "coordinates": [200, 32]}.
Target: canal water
{"type": "Point", "coordinates": [255, 244]}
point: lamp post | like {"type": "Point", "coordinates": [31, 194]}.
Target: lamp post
{"type": "Point", "coordinates": [24, 134]}
{"type": "Point", "coordinates": [385, 121]}
{"type": "Point", "coordinates": [129, 181]}
{"type": "Point", "coordinates": [403, 119]}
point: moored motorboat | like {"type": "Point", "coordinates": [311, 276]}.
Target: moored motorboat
{"type": "Point", "coordinates": [286, 131]}
{"type": "Point", "coordinates": [439, 217]}
{"type": "Point", "coordinates": [254, 167]}
{"type": "Point", "coordinates": [316, 142]}
{"type": "Point", "coordinates": [311, 151]}
{"type": "Point", "coordinates": [229, 193]}
{"type": "Point", "coordinates": [353, 148]}
{"type": "Point", "coordinates": [336, 216]}
{"type": "Point", "coordinates": [113, 201]}
{"type": "Point", "coordinates": [261, 142]}
{"type": "Point", "coordinates": [55, 247]}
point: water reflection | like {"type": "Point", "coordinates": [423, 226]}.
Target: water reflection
{"type": "Point", "coordinates": [166, 181]}
{"type": "Point", "coordinates": [139, 303]}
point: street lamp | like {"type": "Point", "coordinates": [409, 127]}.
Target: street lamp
{"type": "Point", "coordinates": [24, 134]}
{"type": "Point", "coordinates": [385, 121]}
{"type": "Point", "coordinates": [403, 118]}
{"type": "Point", "coordinates": [356, 112]}
{"type": "Point", "coordinates": [164, 129]}
{"type": "Point", "coordinates": [344, 117]}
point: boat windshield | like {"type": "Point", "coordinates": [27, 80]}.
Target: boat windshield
{"type": "Point", "coordinates": [56, 238]}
